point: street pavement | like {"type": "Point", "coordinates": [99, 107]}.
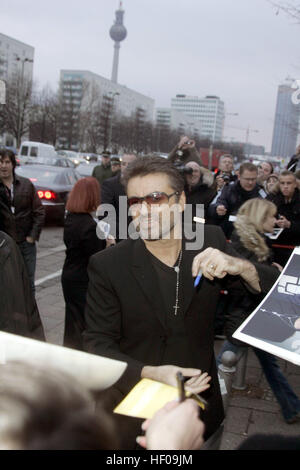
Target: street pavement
{"type": "Point", "coordinates": [253, 410]}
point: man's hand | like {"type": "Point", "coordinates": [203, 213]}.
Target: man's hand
{"type": "Point", "coordinates": [197, 383]}
{"type": "Point", "coordinates": [214, 263]}
{"type": "Point", "coordinates": [283, 222]}
{"type": "Point", "coordinates": [185, 143]}
{"type": "Point", "coordinates": [110, 241]}
{"type": "Point", "coordinates": [220, 183]}
{"type": "Point", "coordinates": [30, 240]}
{"type": "Point", "coordinates": [176, 426]}
{"type": "Point", "coordinates": [221, 210]}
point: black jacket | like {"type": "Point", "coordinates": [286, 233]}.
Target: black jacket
{"type": "Point", "coordinates": [241, 305]}
{"type": "Point", "coordinates": [125, 317]}
{"type": "Point", "coordinates": [290, 210]}
{"type": "Point", "coordinates": [7, 220]}
{"type": "Point", "coordinates": [201, 193]}
{"type": "Point", "coordinates": [18, 310]}
{"type": "Point", "coordinates": [82, 242]}
{"type": "Point", "coordinates": [232, 197]}
{"type": "Point", "coordinates": [294, 163]}
{"type": "Point", "coordinates": [29, 213]}
{"type": "Point", "coordinates": [111, 191]}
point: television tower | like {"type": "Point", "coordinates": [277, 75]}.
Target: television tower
{"type": "Point", "coordinates": [118, 33]}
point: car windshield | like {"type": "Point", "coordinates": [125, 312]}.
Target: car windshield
{"type": "Point", "coordinates": [39, 175]}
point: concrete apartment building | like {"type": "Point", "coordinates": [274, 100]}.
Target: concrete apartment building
{"type": "Point", "coordinates": [286, 124]}
{"type": "Point", "coordinates": [13, 54]}
{"type": "Point", "coordinates": [209, 111]}
{"type": "Point", "coordinates": [79, 86]}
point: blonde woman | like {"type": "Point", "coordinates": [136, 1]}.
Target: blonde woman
{"type": "Point", "coordinates": [255, 218]}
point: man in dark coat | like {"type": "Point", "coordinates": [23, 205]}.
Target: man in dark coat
{"type": "Point", "coordinates": [18, 309]}
{"type": "Point", "coordinates": [28, 213]}
{"type": "Point", "coordinates": [200, 187]}
{"type": "Point", "coordinates": [103, 171]}
{"type": "Point", "coordinates": [287, 201]}
{"type": "Point", "coordinates": [111, 191]}
{"type": "Point", "coordinates": [142, 307]}
{"type": "Point", "coordinates": [233, 197]}
{"type": "Point", "coordinates": [294, 163]}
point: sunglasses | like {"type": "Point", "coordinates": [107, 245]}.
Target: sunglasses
{"type": "Point", "coordinates": [155, 198]}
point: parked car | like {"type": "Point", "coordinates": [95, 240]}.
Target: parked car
{"type": "Point", "coordinates": [75, 157]}
{"type": "Point", "coordinates": [53, 185]}
{"type": "Point", "coordinates": [56, 161]}
{"type": "Point", "coordinates": [86, 169]}
{"type": "Point", "coordinates": [30, 151]}
{"type": "Point", "coordinates": [90, 157]}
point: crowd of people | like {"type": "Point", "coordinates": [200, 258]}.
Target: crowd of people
{"type": "Point", "coordinates": [133, 298]}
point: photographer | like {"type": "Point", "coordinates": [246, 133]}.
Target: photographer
{"type": "Point", "coordinates": [184, 152]}
{"type": "Point", "coordinates": [225, 173]}
{"type": "Point", "coordinates": [200, 187]}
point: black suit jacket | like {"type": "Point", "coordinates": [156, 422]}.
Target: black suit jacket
{"type": "Point", "coordinates": [125, 316]}
{"type": "Point", "coordinates": [111, 190]}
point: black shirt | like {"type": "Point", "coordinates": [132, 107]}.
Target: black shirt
{"type": "Point", "coordinates": [177, 337]}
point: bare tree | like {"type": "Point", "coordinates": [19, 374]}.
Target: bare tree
{"type": "Point", "coordinates": [15, 113]}
{"type": "Point", "coordinates": [45, 116]}
{"type": "Point", "coordinates": [290, 8]}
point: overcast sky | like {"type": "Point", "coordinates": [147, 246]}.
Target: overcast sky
{"type": "Point", "coordinates": [239, 50]}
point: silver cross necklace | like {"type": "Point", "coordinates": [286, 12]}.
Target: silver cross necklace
{"type": "Point", "coordinates": [177, 270]}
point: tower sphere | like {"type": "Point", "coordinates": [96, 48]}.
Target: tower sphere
{"type": "Point", "coordinates": [118, 32]}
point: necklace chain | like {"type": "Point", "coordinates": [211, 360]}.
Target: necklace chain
{"type": "Point", "coordinates": [177, 269]}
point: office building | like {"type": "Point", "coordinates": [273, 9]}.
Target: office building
{"type": "Point", "coordinates": [209, 111]}
{"type": "Point", "coordinates": [286, 125]}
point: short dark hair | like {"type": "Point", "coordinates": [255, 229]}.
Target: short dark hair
{"type": "Point", "coordinates": [152, 164]}
{"type": "Point", "coordinates": [247, 166]}
{"type": "Point", "coordinates": [10, 154]}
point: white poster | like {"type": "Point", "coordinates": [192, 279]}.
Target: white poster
{"type": "Point", "coordinates": [274, 326]}
{"type": "Point", "coordinates": [94, 372]}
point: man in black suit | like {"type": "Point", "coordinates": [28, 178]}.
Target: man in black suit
{"type": "Point", "coordinates": [142, 307]}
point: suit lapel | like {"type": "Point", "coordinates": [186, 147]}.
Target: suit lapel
{"type": "Point", "coordinates": [147, 279]}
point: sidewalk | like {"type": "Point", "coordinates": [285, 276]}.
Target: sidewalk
{"type": "Point", "coordinates": [255, 410]}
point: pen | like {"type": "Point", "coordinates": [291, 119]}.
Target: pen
{"type": "Point", "coordinates": [200, 400]}
{"type": "Point", "coordinates": [198, 279]}
{"type": "Point", "coordinates": [180, 385]}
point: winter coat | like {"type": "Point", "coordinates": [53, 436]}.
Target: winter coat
{"type": "Point", "coordinates": [101, 173]}
{"type": "Point", "coordinates": [232, 197]}
{"type": "Point", "coordinates": [18, 309]}
{"type": "Point", "coordinates": [203, 192]}
{"type": "Point", "coordinates": [241, 305]}
{"type": "Point", "coordinates": [27, 209]}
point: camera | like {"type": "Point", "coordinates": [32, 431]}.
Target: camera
{"type": "Point", "coordinates": [183, 170]}
{"type": "Point", "coordinates": [225, 178]}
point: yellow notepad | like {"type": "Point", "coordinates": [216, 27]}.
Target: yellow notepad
{"type": "Point", "coordinates": [146, 398]}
